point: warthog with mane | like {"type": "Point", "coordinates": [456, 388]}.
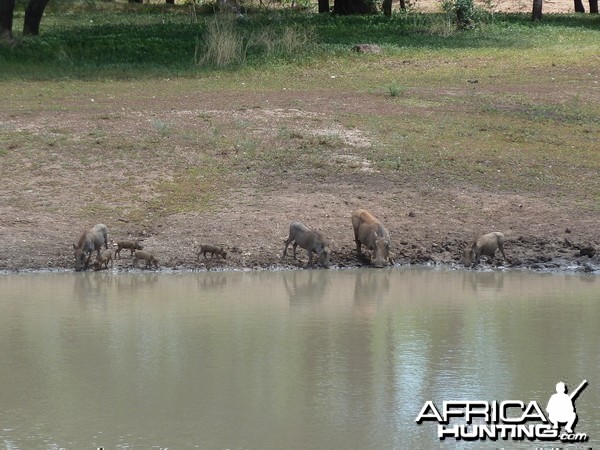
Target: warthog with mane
{"type": "Point", "coordinates": [371, 233]}
{"type": "Point", "coordinates": [310, 240]}
{"type": "Point", "coordinates": [486, 245]}
{"type": "Point", "coordinates": [89, 242]}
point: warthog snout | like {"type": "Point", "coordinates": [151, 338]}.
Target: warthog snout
{"type": "Point", "coordinates": [80, 260]}
{"type": "Point", "coordinates": [324, 257]}
{"type": "Point", "coordinates": [381, 252]}
{"type": "Point", "coordinates": [469, 256]}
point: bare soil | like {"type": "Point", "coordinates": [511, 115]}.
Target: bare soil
{"type": "Point", "coordinates": [520, 6]}
{"type": "Point", "coordinates": [46, 202]}
{"type": "Point", "coordinates": [425, 229]}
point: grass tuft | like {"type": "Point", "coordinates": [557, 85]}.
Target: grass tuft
{"type": "Point", "coordinates": [223, 44]}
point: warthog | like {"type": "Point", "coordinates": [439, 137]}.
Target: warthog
{"type": "Point", "coordinates": [486, 245]}
{"type": "Point", "coordinates": [213, 250]}
{"type": "Point", "coordinates": [105, 257]}
{"type": "Point", "coordinates": [89, 242]}
{"type": "Point", "coordinates": [371, 233]}
{"type": "Point", "coordinates": [310, 240]}
{"type": "Point", "coordinates": [132, 246]}
{"type": "Point", "coordinates": [145, 256]}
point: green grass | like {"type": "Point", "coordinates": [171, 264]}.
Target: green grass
{"type": "Point", "coordinates": [509, 106]}
{"type": "Point", "coordinates": [113, 40]}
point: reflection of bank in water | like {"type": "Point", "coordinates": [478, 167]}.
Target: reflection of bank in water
{"type": "Point", "coordinates": [336, 359]}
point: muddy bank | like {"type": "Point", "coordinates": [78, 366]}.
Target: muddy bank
{"type": "Point", "coordinates": [424, 230]}
{"type": "Point", "coordinates": [523, 252]}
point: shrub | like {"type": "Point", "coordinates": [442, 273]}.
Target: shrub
{"type": "Point", "coordinates": [395, 89]}
{"type": "Point", "coordinates": [463, 10]}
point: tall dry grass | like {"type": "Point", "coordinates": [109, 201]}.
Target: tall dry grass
{"type": "Point", "coordinates": [227, 43]}
{"type": "Point", "coordinates": [223, 44]}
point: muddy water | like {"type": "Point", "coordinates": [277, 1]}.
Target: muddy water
{"type": "Point", "coordinates": [303, 359]}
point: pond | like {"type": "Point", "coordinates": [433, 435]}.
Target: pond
{"type": "Point", "coordinates": [294, 359]}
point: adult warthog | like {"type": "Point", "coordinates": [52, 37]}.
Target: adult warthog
{"type": "Point", "coordinates": [486, 245]}
{"type": "Point", "coordinates": [371, 233]}
{"type": "Point", "coordinates": [310, 240]}
{"type": "Point", "coordinates": [89, 242]}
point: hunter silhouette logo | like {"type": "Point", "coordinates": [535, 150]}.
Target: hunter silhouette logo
{"type": "Point", "coordinates": [561, 408]}
{"type": "Point", "coordinates": [509, 419]}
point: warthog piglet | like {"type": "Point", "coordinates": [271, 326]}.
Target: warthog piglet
{"type": "Point", "coordinates": [486, 245]}
{"type": "Point", "coordinates": [145, 256]}
{"type": "Point", "coordinates": [132, 246]}
{"type": "Point", "coordinates": [213, 250]}
{"type": "Point", "coordinates": [105, 257]}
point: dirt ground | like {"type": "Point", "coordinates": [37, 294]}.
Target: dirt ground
{"type": "Point", "coordinates": [425, 229]}
{"type": "Point", "coordinates": [38, 224]}
{"type": "Point", "coordinates": [50, 193]}
{"type": "Point", "coordinates": [521, 6]}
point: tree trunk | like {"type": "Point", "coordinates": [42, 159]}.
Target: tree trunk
{"type": "Point", "coordinates": [323, 6]}
{"type": "Point", "coordinates": [387, 7]}
{"type": "Point", "coordinates": [593, 6]}
{"type": "Point", "coordinates": [536, 15]}
{"type": "Point", "coordinates": [403, 5]}
{"type": "Point", "coordinates": [171, 2]}
{"type": "Point", "coordinates": [6, 19]}
{"type": "Point", "coordinates": [33, 16]}
{"type": "Point", "coordinates": [345, 7]}
{"type": "Point", "coordinates": [579, 6]}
